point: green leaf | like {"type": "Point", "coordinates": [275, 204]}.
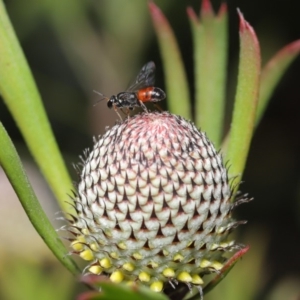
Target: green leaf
{"type": "Point", "coordinates": [20, 94]}
{"type": "Point", "coordinates": [272, 73]}
{"type": "Point", "coordinates": [230, 263]}
{"type": "Point", "coordinates": [11, 164]}
{"type": "Point", "coordinates": [177, 89]}
{"type": "Point", "coordinates": [244, 112]}
{"type": "Point", "coordinates": [210, 55]}
{"type": "Point", "coordinates": [225, 270]}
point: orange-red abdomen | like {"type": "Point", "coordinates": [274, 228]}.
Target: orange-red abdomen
{"type": "Point", "coordinates": [145, 94]}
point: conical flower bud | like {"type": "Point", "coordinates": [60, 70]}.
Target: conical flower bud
{"type": "Point", "coordinates": [153, 204]}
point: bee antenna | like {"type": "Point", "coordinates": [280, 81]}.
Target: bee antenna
{"type": "Point", "coordinates": [102, 97]}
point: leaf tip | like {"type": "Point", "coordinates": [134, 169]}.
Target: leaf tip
{"type": "Point", "coordinates": [244, 25]}
{"type": "Point", "coordinates": [246, 28]}
{"type": "Point", "coordinates": [192, 15]}
{"type": "Point", "coordinates": [206, 7]}
{"type": "Point", "coordinates": [155, 11]}
{"type": "Point", "coordinates": [159, 20]}
{"type": "Point", "coordinates": [222, 10]}
{"type": "Point", "coordinates": [239, 254]}
{"type": "Point", "coordinates": [242, 20]}
{"type": "Point", "coordinates": [292, 47]}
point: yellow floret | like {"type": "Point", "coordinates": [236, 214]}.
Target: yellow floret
{"type": "Point", "coordinates": [168, 272]}
{"type": "Point", "coordinates": [128, 267]}
{"type": "Point", "coordinates": [96, 270]}
{"type": "Point", "coordinates": [196, 279]}
{"type": "Point", "coordinates": [145, 277]}
{"type": "Point", "coordinates": [184, 277]}
{"type": "Point", "coordinates": [105, 263]}
{"type": "Point", "coordinates": [156, 286]}
{"type": "Point", "coordinates": [117, 276]}
{"type": "Point", "coordinates": [87, 254]}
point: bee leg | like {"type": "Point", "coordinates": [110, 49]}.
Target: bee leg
{"type": "Point", "coordinates": [125, 112]}
{"type": "Point", "coordinates": [157, 107]}
{"type": "Point", "coordinates": [129, 109]}
{"type": "Point", "coordinates": [143, 106]}
{"type": "Point", "coordinates": [116, 110]}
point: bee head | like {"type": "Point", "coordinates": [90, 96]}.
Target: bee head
{"type": "Point", "coordinates": [111, 101]}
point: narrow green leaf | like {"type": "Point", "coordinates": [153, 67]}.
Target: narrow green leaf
{"type": "Point", "coordinates": [20, 94]}
{"type": "Point", "coordinates": [177, 89]}
{"type": "Point", "coordinates": [210, 56]}
{"type": "Point", "coordinates": [272, 73]}
{"type": "Point", "coordinates": [225, 270]}
{"type": "Point", "coordinates": [244, 112]}
{"type": "Point", "coordinates": [11, 164]}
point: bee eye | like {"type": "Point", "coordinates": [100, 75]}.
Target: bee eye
{"type": "Point", "coordinates": [109, 103]}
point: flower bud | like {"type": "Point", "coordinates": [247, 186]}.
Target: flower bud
{"type": "Point", "coordinates": [153, 204]}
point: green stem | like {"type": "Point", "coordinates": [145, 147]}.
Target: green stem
{"type": "Point", "coordinates": [11, 164]}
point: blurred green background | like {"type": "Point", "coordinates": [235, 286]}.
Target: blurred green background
{"type": "Point", "coordinates": [76, 46]}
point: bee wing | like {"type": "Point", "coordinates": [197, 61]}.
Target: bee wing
{"type": "Point", "coordinates": [145, 78]}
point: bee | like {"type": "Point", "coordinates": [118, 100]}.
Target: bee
{"type": "Point", "coordinates": [141, 91]}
